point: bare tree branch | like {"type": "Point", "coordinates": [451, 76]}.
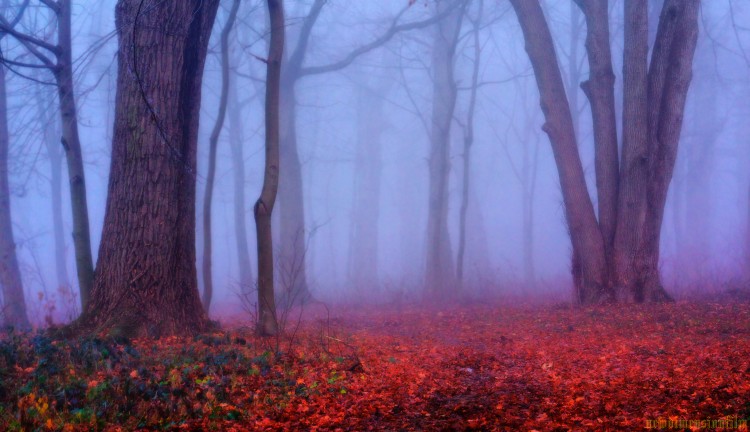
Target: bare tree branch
{"type": "Point", "coordinates": [394, 29]}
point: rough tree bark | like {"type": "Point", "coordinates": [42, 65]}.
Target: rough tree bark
{"type": "Point", "coordinates": [213, 143]}
{"type": "Point", "coordinates": [634, 170]}
{"type": "Point", "coordinates": [669, 78]}
{"type": "Point", "coordinates": [588, 243]}
{"type": "Point", "coordinates": [13, 312]}
{"type": "Point", "coordinates": [263, 209]}
{"type": "Point", "coordinates": [600, 90]}
{"type": "Point", "coordinates": [654, 101]}
{"type": "Point", "coordinates": [146, 282]}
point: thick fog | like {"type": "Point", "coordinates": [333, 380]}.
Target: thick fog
{"type": "Point", "coordinates": [363, 135]}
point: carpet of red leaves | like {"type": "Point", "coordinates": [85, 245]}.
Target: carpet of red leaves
{"type": "Point", "coordinates": [472, 367]}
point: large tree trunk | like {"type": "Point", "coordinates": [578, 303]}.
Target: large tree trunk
{"type": "Point", "coordinates": [654, 101]}
{"type": "Point", "coordinates": [589, 263]}
{"type": "Point", "coordinates": [440, 274]}
{"type": "Point", "coordinates": [146, 281]}
{"type": "Point", "coordinates": [267, 322]}
{"type": "Point", "coordinates": [72, 145]}
{"type": "Point", "coordinates": [13, 311]}
{"type": "Point", "coordinates": [634, 170]}
{"type": "Point", "coordinates": [669, 78]}
{"type": "Point", "coordinates": [213, 143]}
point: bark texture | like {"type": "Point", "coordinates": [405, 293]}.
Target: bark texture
{"type": "Point", "coordinates": [634, 171]}
{"type": "Point", "coordinates": [669, 78]}
{"type": "Point", "coordinates": [622, 247]}
{"type": "Point", "coordinates": [146, 281]}
{"type": "Point", "coordinates": [600, 90]}
{"type": "Point", "coordinates": [588, 245]}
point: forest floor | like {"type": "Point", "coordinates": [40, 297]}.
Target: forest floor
{"type": "Point", "coordinates": [480, 367]}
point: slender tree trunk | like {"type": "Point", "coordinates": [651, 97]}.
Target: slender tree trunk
{"type": "Point", "coordinates": [468, 142]}
{"type": "Point", "coordinates": [146, 281]}
{"type": "Point", "coordinates": [600, 90]}
{"type": "Point", "coordinates": [213, 144]}
{"type": "Point", "coordinates": [529, 140]}
{"type": "Point", "coordinates": [51, 131]}
{"type": "Point", "coordinates": [72, 145]}
{"type": "Point", "coordinates": [293, 242]}
{"type": "Point", "coordinates": [589, 263]}
{"type": "Point", "coordinates": [528, 180]}
{"type": "Point", "coordinates": [13, 311]}
{"type": "Point", "coordinates": [440, 274]}
{"type": "Point", "coordinates": [236, 134]}
{"type": "Point", "coordinates": [267, 322]}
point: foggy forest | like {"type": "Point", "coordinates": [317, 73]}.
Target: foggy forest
{"type": "Point", "coordinates": [374, 215]}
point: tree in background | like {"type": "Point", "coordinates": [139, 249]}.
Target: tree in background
{"type": "Point", "coordinates": [368, 165]}
{"type": "Point", "coordinates": [292, 241]}
{"type": "Point", "coordinates": [13, 307]}
{"type": "Point", "coordinates": [213, 144]}
{"type": "Point", "coordinates": [58, 59]}
{"type": "Point", "coordinates": [617, 254]}
{"type": "Point", "coordinates": [50, 134]}
{"type": "Point", "coordinates": [440, 271]}
{"type": "Point", "coordinates": [146, 280]}
{"type": "Point", "coordinates": [468, 141]}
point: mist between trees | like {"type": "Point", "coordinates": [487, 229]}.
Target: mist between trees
{"type": "Point", "coordinates": [393, 151]}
